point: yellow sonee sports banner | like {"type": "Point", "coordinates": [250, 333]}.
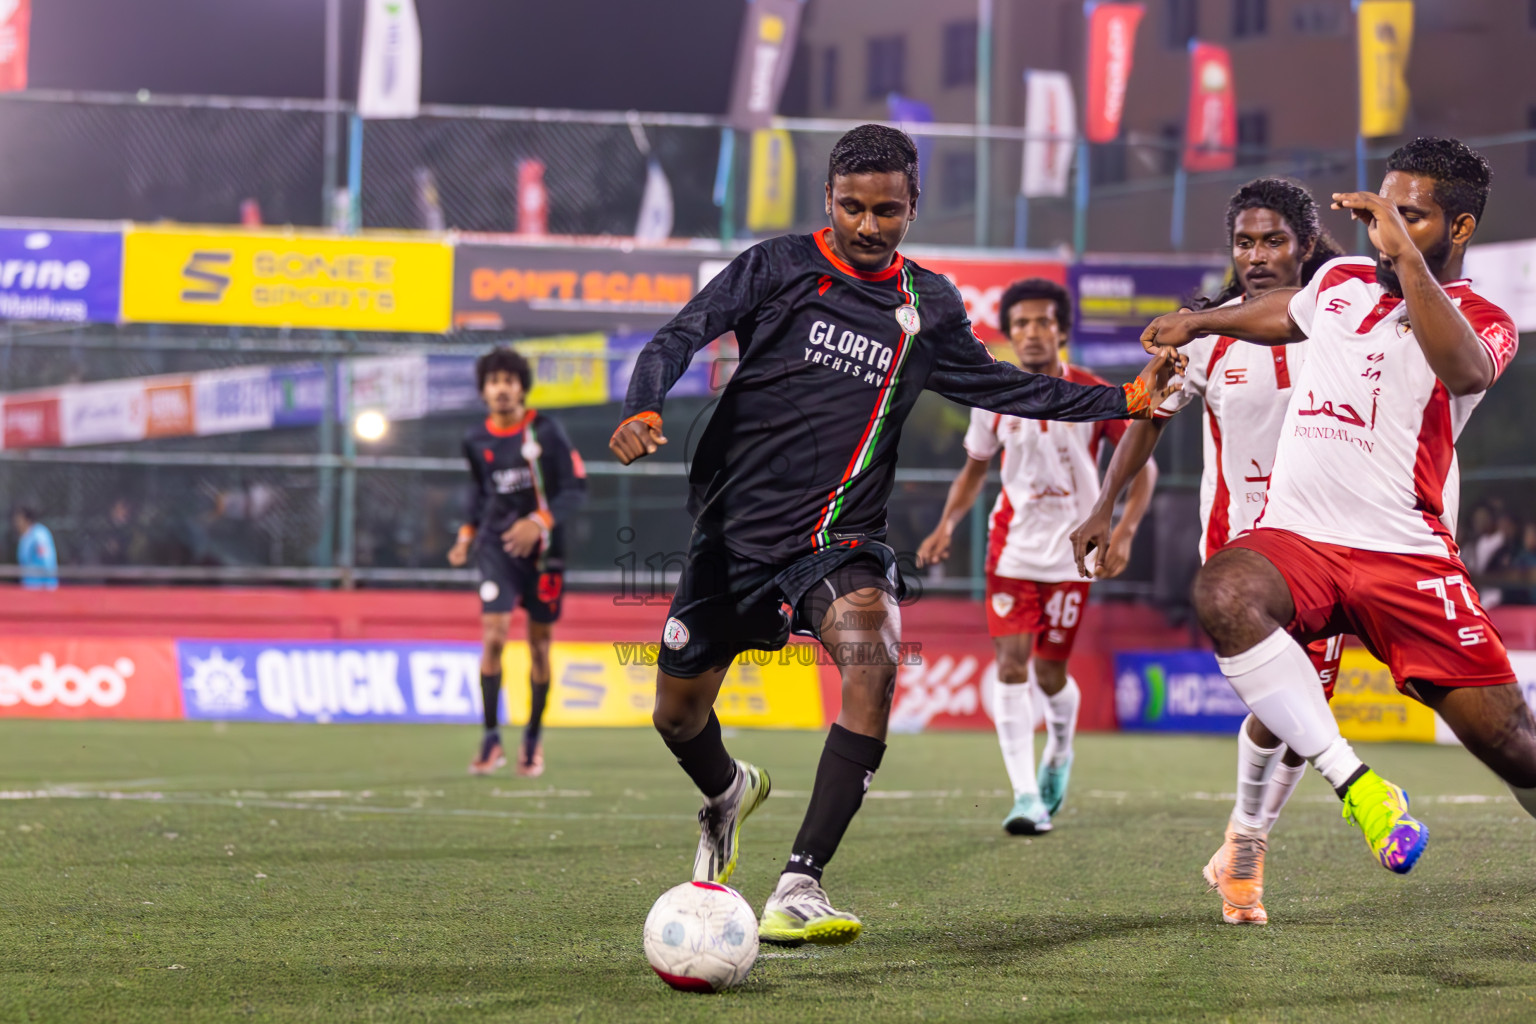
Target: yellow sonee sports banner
{"type": "Point", "coordinates": [1369, 707]}
{"type": "Point", "coordinates": [285, 279]}
{"type": "Point", "coordinates": [594, 684]}
{"type": "Point", "coordinates": [1385, 33]}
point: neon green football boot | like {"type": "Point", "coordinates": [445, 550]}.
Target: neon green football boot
{"type": "Point", "coordinates": [799, 912]}
{"type": "Point", "coordinates": [720, 823]}
{"type": "Point", "coordinates": [1380, 810]}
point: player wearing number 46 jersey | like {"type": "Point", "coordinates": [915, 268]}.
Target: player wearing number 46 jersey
{"type": "Point", "coordinates": [1277, 242]}
{"type": "Point", "coordinates": [1356, 533]}
{"type": "Point", "coordinates": [839, 334]}
{"type": "Point", "coordinates": [1034, 599]}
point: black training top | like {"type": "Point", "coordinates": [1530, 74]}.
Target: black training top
{"type": "Point", "coordinates": [801, 448]}
{"type": "Point", "coordinates": [519, 471]}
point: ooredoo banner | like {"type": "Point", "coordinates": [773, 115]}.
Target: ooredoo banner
{"type": "Point", "coordinates": [509, 287]}
{"type": "Point", "coordinates": [981, 284]}
{"type": "Point", "coordinates": [74, 276]}
{"type": "Point", "coordinates": [57, 677]}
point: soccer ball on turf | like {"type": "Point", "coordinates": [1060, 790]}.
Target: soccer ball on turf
{"type": "Point", "coordinates": [701, 937]}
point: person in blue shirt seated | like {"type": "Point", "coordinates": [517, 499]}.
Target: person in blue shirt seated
{"type": "Point", "coordinates": [35, 553]}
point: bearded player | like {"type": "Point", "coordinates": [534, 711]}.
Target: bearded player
{"type": "Point", "coordinates": [528, 481]}
{"type": "Point", "coordinates": [1034, 599]}
{"type": "Point", "coordinates": [1277, 242]}
{"type": "Point", "coordinates": [839, 334]}
{"type": "Point", "coordinates": [1356, 534]}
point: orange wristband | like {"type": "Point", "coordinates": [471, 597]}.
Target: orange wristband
{"type": "Point", "coordinates": [1136, 398]}
{"type": "Point", "coordinates": [650, 419]}
{"type": "Point", "coordinates": [543, 518]}
{"type": "Point", "coordinates": [467, 532]}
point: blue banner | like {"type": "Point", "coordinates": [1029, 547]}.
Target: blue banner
{"type": "Point", "coordinates": [330, 681]}
{"type": "Point", "coordinates": [1175, 691]}
{"type": "Point", "coordinates": [298, 395]}
{"type": "Point", "coordinates": [624, 350]}
{"type": "Point", "coordinates": [451, 384]}
{"type": "Point", "coordinates": [1116, 301]}
{"type": "Point", "coordinates": [75, 276]}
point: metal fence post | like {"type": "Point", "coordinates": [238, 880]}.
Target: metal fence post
{"type": "Point", "coordinates": [347, 557]}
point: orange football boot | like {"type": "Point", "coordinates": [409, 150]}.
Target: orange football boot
{"type": "Point", "coordinates": [1237, 869]}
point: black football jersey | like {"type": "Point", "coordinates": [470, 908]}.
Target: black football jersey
{"type": "Point", "coordinates": [520, 470]}
{"type": "Point", "coordinates": [800, 448]}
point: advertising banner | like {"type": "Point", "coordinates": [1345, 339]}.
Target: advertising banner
{"type": "Point", "coordinates": [333, 681]}
{"type": "Point", "coordinates": [1368, 706]}
{"type": "Point", "coordinates": [1210, 133]}
{"type": "Point", "coordinates": [267, 279]}
{"type": "Point", "coordinates": [594, 684]}
{"type": "Point", "coordinates": [74, 276]}
{"type": "Point", "coordinates": [1504, 273]}
{"type": "Point", "coordinates": [771, 183]}
{"type": "Point", "coordinates": [15, 31]}
{"type": "Point", "coordinates": [54, 677]}
{"type": "Point", "coordinates": [229, 401]}
{"type": "Point", "coordinates": [1050, 121]}
{"type": "Point", "coordinates": [296, 395]}
{"type": "Point", "coordinates": [981, 284]}
{"type": "Point", "coordinates": [1111, 48]}
{"type": "Point", "coordinates": [503, 287]}
{"type": "Point", "coordinates": [389, 81]}
{"type": "Point", "coordinates": [1116, 301]}
{"type": "Point", "coordinates": [168, 407]}
{"type": "Point", "coordinates": [704, 375]}
{"type": "Point", "coordinates": [763, 56]}
{"type": "Point", "coordinates": [1175, 691]}
{"type": "Point", "coordinates": [31, 421]}
{"type": "Point", "coordinates": [393, 385]}
{"type": "Point", "coordinates": [1384, 31]}
{"type": "Point", "coordinates": [944, 690]}
{"type": "Point", "coordinates": [102, 413]}
{"type": "Point", "coordinates": [567, 371]}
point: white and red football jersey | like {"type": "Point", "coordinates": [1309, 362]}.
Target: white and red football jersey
{"type": "Point", "coordinates": [1246, 388]}
{"type": "Point", "coordinates": [1050, 476]}
{"type": "Point", "coordinates": [1367, 455]}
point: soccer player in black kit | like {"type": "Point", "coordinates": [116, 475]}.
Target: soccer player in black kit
{"type": "Point", "coordinates": [838, 335]}
{"type": "Point", "coordinates": [528, 480]}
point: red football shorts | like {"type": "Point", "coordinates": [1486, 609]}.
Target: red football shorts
{"type": "Point", "coordinates": [1326, 655]}
{"type": "Point", "coordinates": [1051, 611]}
{"type": "Point", "coordinates": [1417, 613]}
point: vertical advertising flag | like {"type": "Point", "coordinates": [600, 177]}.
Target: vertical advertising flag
{"type": "Point", "coordinates": [1050, 117]}
{"type": "Point", "coordinates": [1210, 133]}
{"type": "Point", "coordinates": [771, 187]}
{"type": "Point", "coordinates": [763, 56]}
{"type": "Point", "coordinates": [1111, 48]}
{"type": "Point", "coordinates": [390, 82]}
{"type": "Point", "coordinates": [1385, 30]}
{"type": "Point", "coordinates": [15, 24]}
{"type": "Point", "coordinates": [532, 198]}
{"type": "Point", "coordinates": [903, 110]}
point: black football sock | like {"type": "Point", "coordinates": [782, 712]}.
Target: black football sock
{"type": "Point", "coordinates": [538, 696]}
{"type": "Point", "coordinates": [705, 760]}
{"type": "Point", "coordinates": [848, 765]}
{"type": "Point", "coordinates": [490, 699]}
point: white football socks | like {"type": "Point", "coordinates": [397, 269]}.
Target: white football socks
{"type": "Point", "coordinates": [1014, 714]}
{"type": "Point", "coordinates": [1255, 764]}
{"type": "Point", "coordinates": [1060, 721]}
{"type": "Point", "coordinates": [1275, 678]}
{"type": "Point", "coordinates": [1282, 783]}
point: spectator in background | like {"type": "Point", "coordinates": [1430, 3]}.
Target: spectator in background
{"type": "Point", "coordinates": [35, 553]}
{"type": "Point", "coordinates": [1524, 562]}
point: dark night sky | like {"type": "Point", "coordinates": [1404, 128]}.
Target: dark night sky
{"type": "Point", "coordinates": [596, 54]}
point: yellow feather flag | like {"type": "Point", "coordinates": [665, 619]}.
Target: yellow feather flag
{"type": "Point", "coordinates": [1385, 31]}
{"type": "Point", "coordinates": [771, 185]}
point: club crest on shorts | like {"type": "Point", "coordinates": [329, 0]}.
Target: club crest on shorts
{"type": "Point", "coordinates": [908, 320]}
{"type": "Point", "coordinates": [674, 634]}
{"type": "Point", "coordinates": [489, 591]}
{"type": "Point", "coordinates": [1002, 604]}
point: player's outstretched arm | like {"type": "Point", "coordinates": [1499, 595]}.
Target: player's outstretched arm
{"type": "Point", "coordinates": [1132, 454]}
{"type": "Point", "coordinates": [1264, 321]}
{"type": "Point", "coordinates": [962, 495]}
{"type": "Point", "coordinates": [1451, 346]}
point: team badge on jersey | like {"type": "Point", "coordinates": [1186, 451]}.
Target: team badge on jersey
{"type": "Point", "coordinates": [1002, 604]}
{"type": "Point", "coordinates": [675, 634]}
{"type": "Point", "coordinates": [908, 320]}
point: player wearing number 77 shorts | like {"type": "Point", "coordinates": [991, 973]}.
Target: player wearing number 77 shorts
{"type": "Point", "coordinates": [1035, 599]}
{"type": "Point", "coordinates": [1356, 532]}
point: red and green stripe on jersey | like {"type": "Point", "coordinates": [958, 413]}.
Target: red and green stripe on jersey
{"type": "Point", "coordinates": [864, 451]}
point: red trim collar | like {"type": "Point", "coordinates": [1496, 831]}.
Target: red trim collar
{"type": "Point", "coordinates": [515, 429]}
{"type": "Point", "coordinates": [863, 275]}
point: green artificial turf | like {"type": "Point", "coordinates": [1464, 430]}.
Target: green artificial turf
{"type": "Point", "coordinates": [193, 871]}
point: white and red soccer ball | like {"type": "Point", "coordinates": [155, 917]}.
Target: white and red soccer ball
{"type": "Point", "coordinates": [701, 937]}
